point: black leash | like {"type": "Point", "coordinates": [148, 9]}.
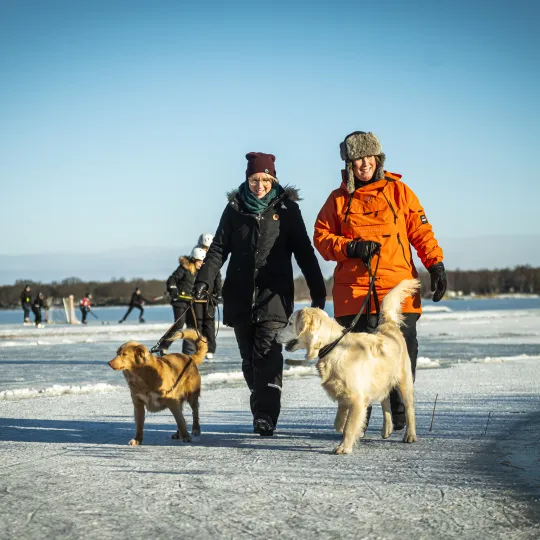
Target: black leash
{"type": "Point", "coordinates": [371, 289]}
{"type": "Point", "coordinates": [211, 300]}
{"type": "Point", "coordinates": [188, 363]}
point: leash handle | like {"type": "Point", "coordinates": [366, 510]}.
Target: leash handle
{"type": "Point", "coordinates": [371, 287]}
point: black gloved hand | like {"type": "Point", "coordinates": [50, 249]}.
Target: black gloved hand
{"type": "Point", "coordinates": [362, 249]}
{"type": "Point", "coordinates": [318, 302]}
{"type": "Point", "coordinates": [438, 281]}
{"type": "Point", "coordinates": [199, 290]}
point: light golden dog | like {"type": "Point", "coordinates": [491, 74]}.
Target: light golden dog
{"type": "Point", "coordinates": [362, 368]}
{"type": "Point", "coordinates": [164, 382]}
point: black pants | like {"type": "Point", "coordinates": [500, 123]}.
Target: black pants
{"type": "Point", "coordinates": [37, 315]}
{"type": "Point", "coordinates": [207, 316]}
{"type": "Point", "coordinates": [84, 314]}
{"type": "Point", "coordinates": [262, 365]}
{"type": "Point", "coordinates": [26, 310]}
{"type": "Point", "coordinates": [409, 333]}
{"type": "Point", "coordinates": [183, 316]}
{"type": "Point", "coordinates": [131, 308]}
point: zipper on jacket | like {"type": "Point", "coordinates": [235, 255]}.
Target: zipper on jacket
{"type": "Point", "coordinates": [403, 250]}
{"type": "Point", "coordinates": [389, 204]}
{"type": "Point", "coordinates": [348, 207]}
{"type": "Point", "coordinates": [254, 299]}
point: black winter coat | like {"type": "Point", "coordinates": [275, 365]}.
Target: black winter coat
{"type": "Point", "coordinates": [39, 303]}
{"type": "Point", "coordinates": [26, 298]}
{"type": "Point", "coordinates": [259, 283]}
{"type": "Point", "coordinates": [181, 281]}
{"type": "Point", "coordinates": [137, 300]}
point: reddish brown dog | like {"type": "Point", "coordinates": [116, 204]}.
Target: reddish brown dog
{"type": "Point", "coordinates": [164, 382]}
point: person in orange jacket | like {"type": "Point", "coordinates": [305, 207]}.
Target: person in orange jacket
{"type": "Point", "coordinates": [368, 225]}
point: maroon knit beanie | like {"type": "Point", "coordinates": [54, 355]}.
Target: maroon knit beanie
{"type": "Point", "coordinates": [259, 162]}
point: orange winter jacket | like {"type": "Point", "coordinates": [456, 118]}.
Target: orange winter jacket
{"type": "Point", "coordinates": [388, 212]}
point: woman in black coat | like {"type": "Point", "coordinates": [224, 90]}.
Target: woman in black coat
{"type": "Point", "coordinates": [180, 288]}
{"type": "Point", "coordinates": [261, 228]}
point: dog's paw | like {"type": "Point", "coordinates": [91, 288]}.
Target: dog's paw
{"type": "Point", "coordinates": [342, 449]}
{"type": "Point", "coordinates": [134, 442]}
{"type": "Point", "coordinates": [196, 432]}
{"type": "Point", "coordinates": [386, 431]}
{"type": "Point", "coordinates": [185, 438]}
{"type": "Point", "coordinates": [409, 437]}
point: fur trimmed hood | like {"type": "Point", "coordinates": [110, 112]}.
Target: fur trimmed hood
{"type": "Point", "coordinates": [187, 264]}
{"type": "Point", "coordinates": [292, 193]}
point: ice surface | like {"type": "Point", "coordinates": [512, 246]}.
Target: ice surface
{"type": "Point", "coordinates": [67, 472]}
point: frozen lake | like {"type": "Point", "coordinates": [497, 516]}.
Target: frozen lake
{"type": "Point", "coordinates": [34, 360]}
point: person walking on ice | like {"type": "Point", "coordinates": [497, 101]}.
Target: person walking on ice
{"type": "Point", "coordinates": [208, 309]}
{"type": "Point", "coordinates": [180, 287]}
{"type": "Point", "coordinates": [261, 229]}
{"type": "Point", "coordinates": [38, 304]}
{"type": "Point", "coordinates": [368, 225]}
{"type": "Point", "coordinates": [85, 305]}
{"type": "Point", "coordinates": [26, 303]}
{"type": "Point", "coordinates": [137, 302]}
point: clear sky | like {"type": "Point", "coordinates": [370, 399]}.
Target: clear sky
{"type": "Point", "coordinates": [123, 123]}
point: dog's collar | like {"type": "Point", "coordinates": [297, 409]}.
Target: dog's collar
{"type": "Point", "coordinates": [329, 347]}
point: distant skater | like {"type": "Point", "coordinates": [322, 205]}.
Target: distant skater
{"type": "Point", "coordinates": [85, 305]}
{"type": "Point", "coordinates": [26, 303]}
{"type": "Point", "coordinates": [37, 306]}
{"type": "Point", "coordinates": [137, 302]}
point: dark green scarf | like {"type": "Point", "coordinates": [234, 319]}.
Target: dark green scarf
{"type": "Point", "coordinates": [252, 203]}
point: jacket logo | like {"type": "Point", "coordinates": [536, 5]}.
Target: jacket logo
{"type": "Point", "coordinates": [275, 217]}
{"type": "Point", "coordinates": [369, 198]}
{"type": "Point", "coordinates": [423, 218]}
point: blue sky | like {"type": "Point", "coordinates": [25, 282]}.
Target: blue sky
{"type": "Point", "coordinates": [122, 124]}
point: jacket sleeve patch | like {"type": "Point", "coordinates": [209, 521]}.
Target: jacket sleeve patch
{"type": "Point", "coordinates": [423, 218]}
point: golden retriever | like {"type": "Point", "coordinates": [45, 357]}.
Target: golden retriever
{"type": "Point", "coordinates": [362, 368]}
{"type": "Point", "coordinates": [164, 382]}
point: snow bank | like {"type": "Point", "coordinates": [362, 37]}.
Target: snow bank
{"type": "Point", "coordinates": [57, 390]}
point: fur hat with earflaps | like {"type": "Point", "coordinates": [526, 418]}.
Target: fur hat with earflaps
{"type": "Point", "coordinates": [358, 145]}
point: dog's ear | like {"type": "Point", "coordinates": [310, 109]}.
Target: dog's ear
{"type": "Point", "coordinates": [299, 322]}
{"type": "Point", "coordinates": [139, 353]}
{"type": "Point", "coordinates": [309, 326]}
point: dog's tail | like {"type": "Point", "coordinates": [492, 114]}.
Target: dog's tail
{"type": "Point", "coordinates": [391, 305]}
{"type": "Point", "coordinates": [193, 335]}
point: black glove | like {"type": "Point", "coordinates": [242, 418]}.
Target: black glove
{"type": "Point", "coordinates": [199, 290]}
{"type": "Point", "coordinates": [318, 302]}
{"type": "Point", "coordinates": [362, 249]}
{"type": "Point", "coordinates": [438, 281]}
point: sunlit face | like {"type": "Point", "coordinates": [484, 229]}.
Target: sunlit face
{"type": "Point", "coordinates": [260, 184]}
{"type": "Point", "coordinates": [198, 264]}
{"type": "Point", "coordinates": [364, 168]}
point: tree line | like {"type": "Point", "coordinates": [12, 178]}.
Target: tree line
{"type": "Point", "coordinates": [520, 279]}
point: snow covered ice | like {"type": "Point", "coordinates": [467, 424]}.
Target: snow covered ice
{"type": "Point", "coordinates": [67, 472]}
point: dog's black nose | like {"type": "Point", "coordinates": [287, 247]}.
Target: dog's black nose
{"type": "Point", "coordinates": [291, 344]}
